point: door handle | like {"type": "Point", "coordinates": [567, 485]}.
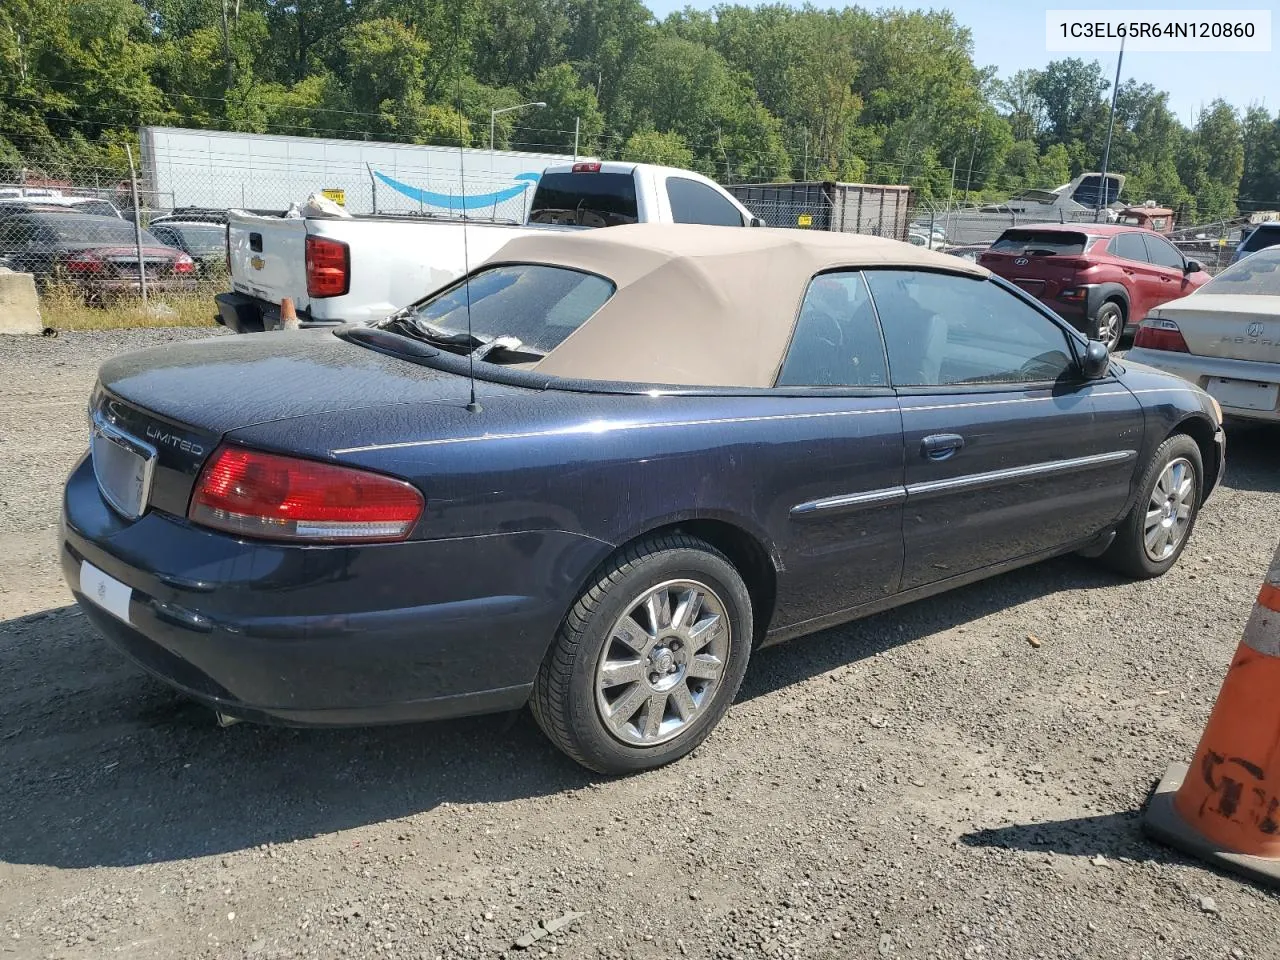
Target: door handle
{"type": "Point", "coordinates": [941, 446]}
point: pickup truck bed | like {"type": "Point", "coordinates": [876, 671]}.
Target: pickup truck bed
{"type": "Point", "coordinates": [389, 261]}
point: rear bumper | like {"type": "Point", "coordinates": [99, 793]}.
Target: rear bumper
{"type": "Point", "coordinates": [344, 635]}
{"type": "Point", "coordinates": [242, 313]}
{"type": "Point", "coordinates": [123, 287]}
{"type": "Point", "coordinates": [1200, 370]}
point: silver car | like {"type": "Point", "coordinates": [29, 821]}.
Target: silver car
{"type": "Point", "coordinates": [1225, 337]}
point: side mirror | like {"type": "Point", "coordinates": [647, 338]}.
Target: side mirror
{"type": "Point", "coordinates": [1096, 359]}
{"type": "Point", "coordinates": [756, 222]}
{"type": "Point", "coordinates": [1193, 266]}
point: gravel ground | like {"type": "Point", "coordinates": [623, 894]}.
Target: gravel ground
{"type": "Point", "coordinates": [924, 783]}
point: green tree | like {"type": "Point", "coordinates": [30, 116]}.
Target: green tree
{"type": "Point", "coordinates": [568, 103]}
{"type": "Point", "coordinates": [647, 145]}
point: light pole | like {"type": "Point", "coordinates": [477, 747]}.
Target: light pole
{"type": "Point", "coordinates": [493, 115]}
{"type": "Point", "coordinates": [1104, 195]}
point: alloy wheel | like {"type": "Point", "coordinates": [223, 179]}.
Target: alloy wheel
{"type": "Point", "coordinates": [1169, 510]}
{"type": "Point", "coordinates": [1110, 325]}
{"type": "Point", "coordinates": [662, 662]}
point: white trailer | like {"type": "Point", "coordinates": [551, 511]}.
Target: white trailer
{"type": "Point", "coordinates": [223, 170]}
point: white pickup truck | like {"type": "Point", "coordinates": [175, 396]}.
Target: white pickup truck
{"type": "Point", "coordinates": [353, 269]}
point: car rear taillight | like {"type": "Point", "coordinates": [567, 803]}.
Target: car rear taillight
{"type": "Point", "coordinates": [1074, 294]}
{"type": "Point", "coordinates": [328, 267]}
{"type": "Point", "coordinates": [184, 264]}
{"type": "Point", "coordinates": [587, 166]}
{"type": "Point", "coordinates": [273, 497]}
{"type": "Point", "coordinates": [83, 263]}
{"type": "Point", "coordinates": [1154, 334]}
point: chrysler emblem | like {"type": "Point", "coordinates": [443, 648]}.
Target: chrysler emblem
{"type": "Point", "coordinates": [1020, 262]}
{"type": "Point", "coordinates": [1254, 329]}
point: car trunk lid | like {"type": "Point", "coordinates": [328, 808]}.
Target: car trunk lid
{"type": "Point", "coordinates": [1229, 326]}
{"type": "Point", "coordinates": [164, 410]}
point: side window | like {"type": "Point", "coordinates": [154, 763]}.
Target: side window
{"type": "Point", "coordinates": [1163, 253]}
{"type": "Point", "coordinates": [837, 341]}
{"type": "Point", "coordinates": [694, 202]}
{"type": "Point", "coordinates": [1129, 246]}
{"type": "Point", "coordinates": [943, 329]}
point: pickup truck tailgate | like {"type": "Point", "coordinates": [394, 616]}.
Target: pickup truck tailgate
{"type": "Point", "coordinates": [268, 257]}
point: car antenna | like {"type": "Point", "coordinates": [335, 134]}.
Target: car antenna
{"type": "Point", "coordinates": [472, 405]}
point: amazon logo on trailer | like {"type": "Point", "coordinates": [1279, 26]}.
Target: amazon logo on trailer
{"type": "Point", "coordinates": [464, 202]}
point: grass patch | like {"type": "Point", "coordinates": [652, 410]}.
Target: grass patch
{"type": "Point", "coordinates": [63, 308]}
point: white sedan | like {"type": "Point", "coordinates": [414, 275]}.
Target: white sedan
{"type": "Point", "coordinates": [1225, 337]}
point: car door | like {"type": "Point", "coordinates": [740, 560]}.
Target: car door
{"type": "Point", "coordinates": [16, 235]}
{"type": "Point", "coordinates": [1008, 452]}
{"type": "Point", "coordinates": [838, 466]}
{"type": "Point", "coordinates": [1170, 266]}
{"type": "Point", "coordinates": [1142, 279]}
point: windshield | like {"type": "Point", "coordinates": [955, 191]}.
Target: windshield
{"type": "Point", "coordinates": [202, 237]}
{"type": "Point", "coordinates": [1261, 238]}
{"type": "Point", "coordinates": [585, 199]}
{"type": "Point", "coordinates": [1258, 274]}
{"type": "Point", "coordinates": [537, 305]}
{"type": "Point", "coordinates": [1043, 242]}
{"type": "Point", "coordinates": [78, 229]}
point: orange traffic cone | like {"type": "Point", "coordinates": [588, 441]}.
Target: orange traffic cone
{"type": "Point", "coordinates": [288, 315]}
{"type": "Point", "coordinates": [1225, 807]}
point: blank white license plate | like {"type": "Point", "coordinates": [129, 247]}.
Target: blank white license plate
{"type": "Point", "coordinates": [1244, 394]}
{"type": "Point", "coordinates": [105, 591]}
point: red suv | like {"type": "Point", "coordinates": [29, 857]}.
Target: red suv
{"type": "Point", "coordinates": [1101, 278]}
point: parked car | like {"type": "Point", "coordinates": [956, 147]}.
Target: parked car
{"type": "Point", "coordinates": [203, 241]}
{"type": "Point", "coordinates": [54, 202]}
{"type": "Point", "coordinates": [99, 255]}
{"type": "Point", "coordinates": [363, 267]}
{"type": "Point", "coordinates": [1261, 237]}
{"type": "Point", "coordinates": [1225, 337]}
{"type": "Point", "coordinates": [599, 471]}
{"type": "Point", "coordinates": [1103, 278]}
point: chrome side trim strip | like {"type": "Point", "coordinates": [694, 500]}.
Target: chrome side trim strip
{"type": "Point", "coordinates": [995, 477]}
{"type": "Point", "coordinates": [849, 501]}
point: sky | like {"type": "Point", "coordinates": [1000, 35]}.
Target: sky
{"type": "Point", "coordinates": [1010, 35]}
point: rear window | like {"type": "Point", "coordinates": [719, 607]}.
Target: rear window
{"type": "Point", "coordinates": [79, 229]}
{"type": "Point", "coordinates": [585, 199]}
{"type": "Point", "coordinates": [1261, 238]}
{"type": "Point", "coordinates": [538, 305]}
{"type": "Point", "coordinates": [1040, 242]}
{"type": "Point", "coordinates": [1259, 274]}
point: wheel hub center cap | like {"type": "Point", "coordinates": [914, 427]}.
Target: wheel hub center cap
{"type": "Point", "coordinates": [663, 661]}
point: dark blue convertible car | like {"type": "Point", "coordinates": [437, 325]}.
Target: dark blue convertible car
{"type": "Point", "coordinates": [598, 472]}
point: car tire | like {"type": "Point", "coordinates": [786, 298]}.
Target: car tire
{"type": "Point", "coordinates": [1162, 497]}
{"type": "Point", "coordinates": [620, 693]}
{"type": "Point", "coordinates": [1108, 324]}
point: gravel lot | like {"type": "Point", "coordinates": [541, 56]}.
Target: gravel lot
{"type": "Point", "coordinates": [925, 783]}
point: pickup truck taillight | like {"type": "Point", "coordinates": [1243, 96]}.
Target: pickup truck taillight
{"type": "Point", "coordinates": [328, 267]}
{"type": "Point", "coordinates": [254, 494]}
{"type": "Point", "coordinates": [1155, 334]}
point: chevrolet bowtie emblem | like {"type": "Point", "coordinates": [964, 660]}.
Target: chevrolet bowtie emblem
{"type": "Point", "coordinates": [257, 263]}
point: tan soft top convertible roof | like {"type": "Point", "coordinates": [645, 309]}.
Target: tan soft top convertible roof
{"type": "Point", "coordinates": [701, 305]}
